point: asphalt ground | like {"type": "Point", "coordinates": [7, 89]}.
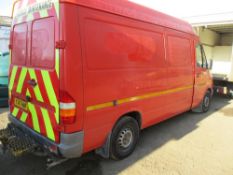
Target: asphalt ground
{"type": "Point", "coordinates": [188, 144]}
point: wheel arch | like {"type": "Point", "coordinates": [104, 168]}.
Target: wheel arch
{"type": "Point", "coordinates": [134, 114]}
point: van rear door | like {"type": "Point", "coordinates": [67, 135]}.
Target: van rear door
{"type": "Point", "coordinates": [34, 79]}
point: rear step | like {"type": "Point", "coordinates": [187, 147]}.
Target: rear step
{"type": "Point", "coordinates": [18, 143]}
{"type": "Point", "coordinates": [15, 141]}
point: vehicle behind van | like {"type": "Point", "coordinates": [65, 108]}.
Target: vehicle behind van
{"type": "Point", "coordinates": [90, 75]}
{"type": "Point", "coordinates": [4, 62]}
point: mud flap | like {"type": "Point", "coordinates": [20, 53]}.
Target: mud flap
{"type": "Point", "coordinates": [104, 151]}
{"type": "Point", "coordinates": [16, 142]}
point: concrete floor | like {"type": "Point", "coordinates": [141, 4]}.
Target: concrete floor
{"type": "Point", "coordinates": [189, 144]}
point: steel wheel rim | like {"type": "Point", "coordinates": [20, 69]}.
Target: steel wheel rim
{"type": "Point", "coordinates": [125, 138]}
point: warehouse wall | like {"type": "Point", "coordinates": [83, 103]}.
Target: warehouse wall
{"type": "Point", "coordinates": [208, 37]}
{"type": "Point", "coordinates": [208, 52]}
{"type": "Point", "coordinates": [226, 39]}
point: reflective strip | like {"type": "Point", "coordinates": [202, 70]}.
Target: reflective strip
{"type": "Point", "coordinates": [201, 84]}
{"type": "Point", "coordinates": [23, 117]}
{"type": "Point", "coordinates": [136, 98]}
{"type": "Point", "coordinates": [48, 125]}
{"type": "Point", "coordinates": [34, 116]}
{"type": "Point", "coordinates": [35, 121]}
{"type": "Point", "coordinates": [67, 105]}
{"type": "Point", "coordinates": [100, 106]}
{"type": "Point", "coordinates": [51, 93]}
{"type": "Point", "coordinates": [15, 112]}
{"type": "Point", "coordinates": [151, 95]}
{"type": "Point", "coordinates": [22, 77]}
{"type": "Point", "coordinates": [44, 13]}
{"type": "Point", "coordinates": [36, 89]}
{"type": "Point", "coordinates": [12, 78]}
{"type": "Point", "coordinates": [57, 63]}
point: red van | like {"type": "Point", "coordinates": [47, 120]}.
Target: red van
{"type": "Point", "coordinates": [90, 74]}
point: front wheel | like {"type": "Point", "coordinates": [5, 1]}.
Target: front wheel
{"type": "Point", "coordinates": [124, 138]}
{"type": "Point", "coordinates": [205, 104]}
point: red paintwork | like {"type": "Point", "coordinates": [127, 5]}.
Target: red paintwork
{"type": "Point", "coordinates": [106, 68]}
{"type": "Point", "coordinates": [117, 49]}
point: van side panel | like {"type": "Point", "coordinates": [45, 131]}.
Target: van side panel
{"type": "Point", "coordinates": [180, 71]}
{"type": "Point", "coordinates": [123, 59]}
{"type": "Point", "coordinates": [71, 80]}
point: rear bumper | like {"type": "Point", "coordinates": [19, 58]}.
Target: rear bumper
{"type": "Point", "coordinates": [70, 146]}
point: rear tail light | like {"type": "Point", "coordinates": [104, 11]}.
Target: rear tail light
{"type": "Point", "coordinates": [67, 109]}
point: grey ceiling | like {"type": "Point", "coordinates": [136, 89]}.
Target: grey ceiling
{"type": "Point", "coordinates": [223, 28]}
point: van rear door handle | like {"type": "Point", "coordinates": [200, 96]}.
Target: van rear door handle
{"type": "Point", "coordinates": [32, 82]}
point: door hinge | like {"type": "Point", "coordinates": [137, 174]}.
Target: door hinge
{"type": "Point", "coordinates": [60, 44]}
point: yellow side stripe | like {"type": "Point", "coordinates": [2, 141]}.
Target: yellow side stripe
{"type": "Point", "coordinates": [136, 98]}
{"type": "Point", "coordinates": [201, 84]}
{"type": "Point", "coordinates": [100, 106]}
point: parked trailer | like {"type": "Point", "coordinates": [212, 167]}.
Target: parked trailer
{"type": "Point", "coordinates": [90, 74]}
{"type": "Point", "coordinates": [222, 69]}
{"type": "Point", "coordinates": [218, 44]}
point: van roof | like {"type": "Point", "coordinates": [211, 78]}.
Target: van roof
{"type": "Point", "coordinates": [135, 11]}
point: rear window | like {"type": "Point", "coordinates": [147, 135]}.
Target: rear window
{"type": "Point", "coordinates": [19, 44]}
{"type": "Point", "coordinates": [42, 50]}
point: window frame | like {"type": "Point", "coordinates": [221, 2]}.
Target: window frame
{"type": "Point", "coordinates": [26, 45]}
{"type": "Point", "coordinates": [54, 44]}
{"type": "Point", "coordinates": [204, 63]}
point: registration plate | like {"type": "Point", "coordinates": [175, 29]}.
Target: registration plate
{"type": "Point", "coordinates": [21, 104]}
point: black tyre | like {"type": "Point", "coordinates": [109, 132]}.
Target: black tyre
{"type": "Point", "coordinates": [124, 138]}
{"type": "Point", "coordinates": [206, 102]}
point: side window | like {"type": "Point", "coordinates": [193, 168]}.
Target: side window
{"type": "Point", "coordinates": [200, 57]}
{"type": "Point", "coordinates": [19, 44]}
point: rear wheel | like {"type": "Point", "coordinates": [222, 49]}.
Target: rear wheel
{"type": "Point", "coordinates": [124, 138]}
